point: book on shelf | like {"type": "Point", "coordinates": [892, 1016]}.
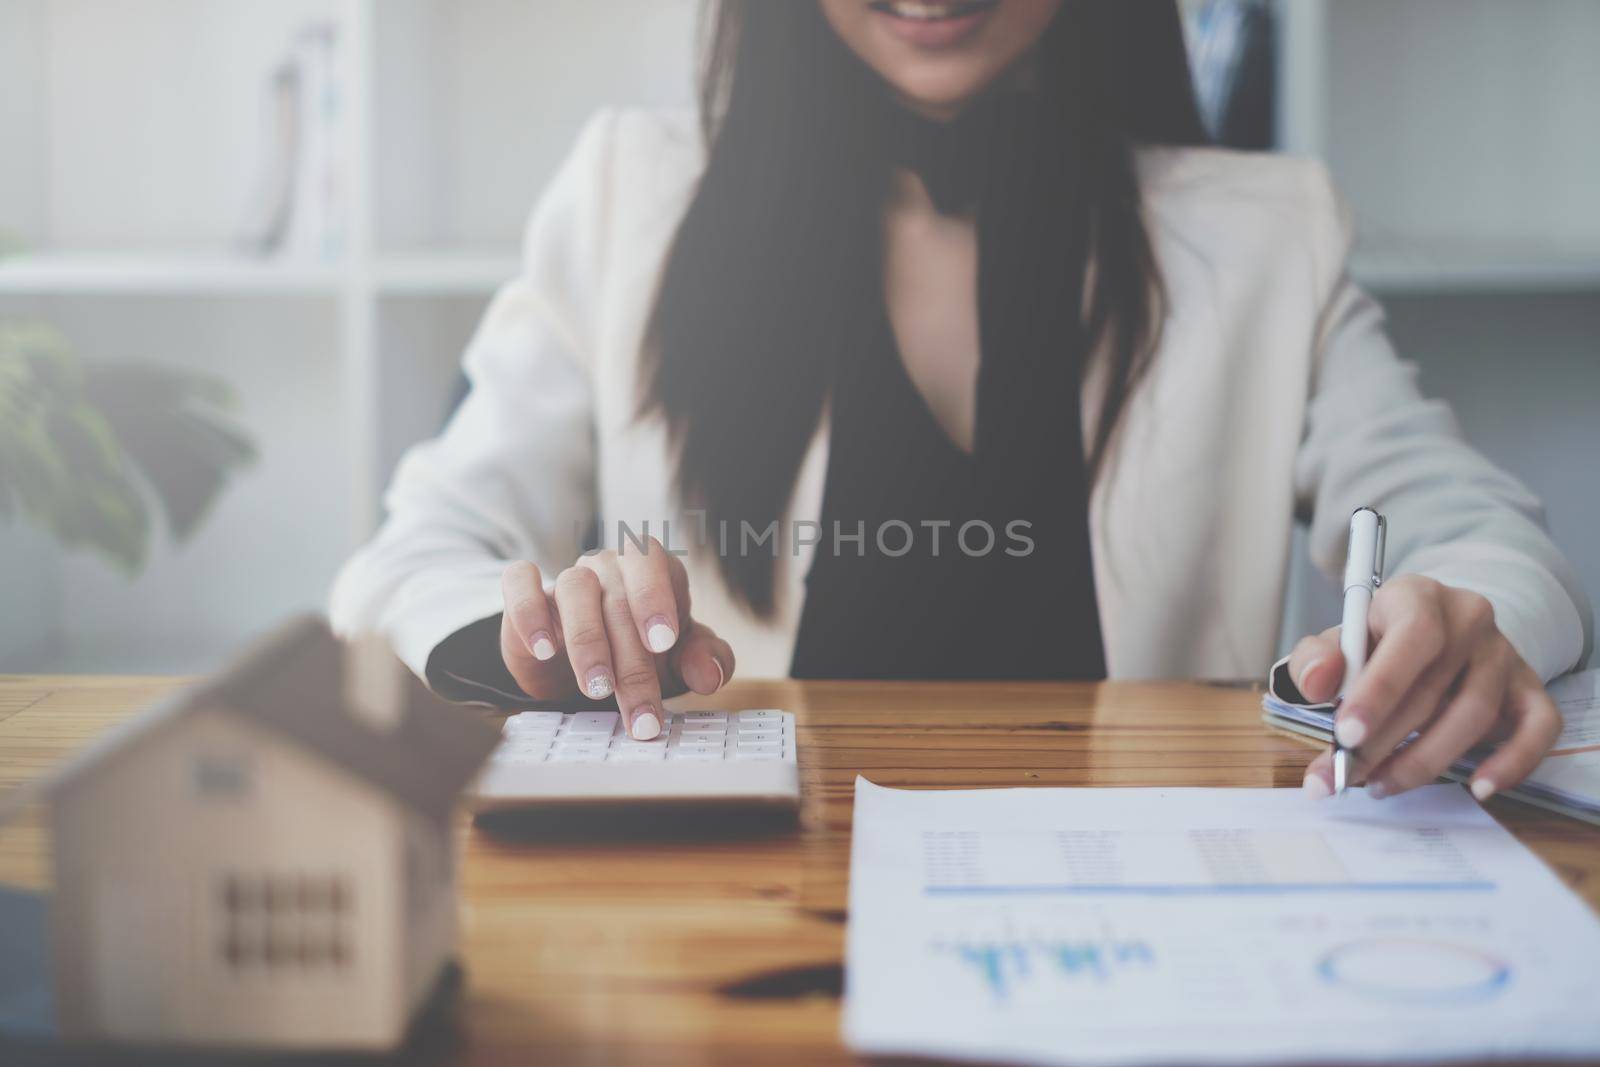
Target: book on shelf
{"type": "Point", "coordinates": [297, 208]}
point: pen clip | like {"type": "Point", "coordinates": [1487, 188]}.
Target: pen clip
{"type": "Point", "coordinates": [1383, 542]}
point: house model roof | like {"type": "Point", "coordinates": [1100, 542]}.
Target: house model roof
{"type": "Point", "coordinates": [294, 683]}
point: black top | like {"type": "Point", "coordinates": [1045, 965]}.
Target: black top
{"type": "Point", "coordinates": [968, 565]}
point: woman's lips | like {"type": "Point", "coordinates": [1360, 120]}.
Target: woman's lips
{"type": "Point", "coordinates": [933, 25]}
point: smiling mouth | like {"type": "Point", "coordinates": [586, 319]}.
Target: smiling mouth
{"type": "Point", "coordinates": [929, 11]}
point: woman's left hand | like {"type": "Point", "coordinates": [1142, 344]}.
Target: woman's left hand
{"type": "Point", "coordinates": [1438, 666]}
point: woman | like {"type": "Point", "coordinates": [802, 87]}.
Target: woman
{"type": "Point", "coordinates": [943, 350]}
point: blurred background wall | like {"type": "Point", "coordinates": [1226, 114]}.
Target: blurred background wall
{"type": "Point", "coordinates": [143, 169]}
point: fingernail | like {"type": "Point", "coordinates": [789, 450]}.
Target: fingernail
{"type": "Point", "coordinates": [1350, 732]}
{"type": "Point", "coordinates": [1305, 673]}
{"type": "Point", "coordinates": [1315, 788]}
{"type": "Point", "coordinates": [1377, 790]}
{"type": "Point", "coordinates": [1483, 788]}
{"type": "Point", "coordinates": [659, 635]}
{"type": "Point", "coordinates": [722, 675]}
{"type": "Point", "coordinates": [646, 727]}
{"type": "Point", "coordinates": [598, 684]}
{"type": "Point", "coordinates": [542, 648]}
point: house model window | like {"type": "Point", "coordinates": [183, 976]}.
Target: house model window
{"type": "Point", "coordinates": [285, 922]}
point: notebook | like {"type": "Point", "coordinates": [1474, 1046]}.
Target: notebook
{"type": "Point", "coordinates": [1568, 781]}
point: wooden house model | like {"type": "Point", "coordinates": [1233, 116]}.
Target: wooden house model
{"type": "Point", "coordinates": [265, 860]}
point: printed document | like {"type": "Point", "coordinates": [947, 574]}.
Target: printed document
{"type": "Point", "coordinates": [1123, 926]}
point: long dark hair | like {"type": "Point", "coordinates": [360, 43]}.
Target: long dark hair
{"type": "Point", "coordinates": [784, 235]}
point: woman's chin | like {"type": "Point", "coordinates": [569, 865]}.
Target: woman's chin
{"type": "Point", "coordinates": [938, 92]}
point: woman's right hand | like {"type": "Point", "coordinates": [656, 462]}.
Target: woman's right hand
{"type": "Point", "coordinates": [617, 624]}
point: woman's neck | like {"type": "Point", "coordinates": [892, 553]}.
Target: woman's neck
{"type": "Point", "coordinates": [934, 112]}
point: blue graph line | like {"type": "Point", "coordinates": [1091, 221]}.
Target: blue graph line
{"type": "Point", "coordinates": [1003, 965]}
{"type": "Point", "coordinates": [1205, 890]}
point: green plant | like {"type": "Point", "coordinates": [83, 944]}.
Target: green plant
{"type": "Point", "coordinates": [84, 446]}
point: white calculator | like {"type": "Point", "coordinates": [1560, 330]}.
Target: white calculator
{"type": "Point", "coordinates": [724, 758]}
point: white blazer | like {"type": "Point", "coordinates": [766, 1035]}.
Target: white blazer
{"type": "Point", "coordinates": [1274, 395]}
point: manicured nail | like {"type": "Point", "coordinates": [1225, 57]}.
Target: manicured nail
{"type": "Point", "coordinates": [1377, 790]}
{"type": "Point", "coordinates": [542, 648]}
{"type": "Point", "coordinates": [722, 675]}
{"type": "Point", "coordinates": [1315, 788]}
{"type": "Point", "coordinates": [1350, 732]}
{"type": "Point", "coordinates": [598, 684]}
{"type": "Point", "coordinates": [646, 727]}
{"type": "Point", "coordinates": [1305, 673]}
{"type": "Point", "coordinates": [1482, 788]}
{"type": "Point", "coordinates": [659, 635]}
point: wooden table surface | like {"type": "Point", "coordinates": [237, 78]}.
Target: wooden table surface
{"type": "Point", "coordinates": [712, 946]}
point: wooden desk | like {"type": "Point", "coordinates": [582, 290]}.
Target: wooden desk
{"type": "Point", "coordinates": [727, 950]}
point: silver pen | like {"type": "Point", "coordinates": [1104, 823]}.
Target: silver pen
{"type": "Point", "coordinates": [1363, 574]}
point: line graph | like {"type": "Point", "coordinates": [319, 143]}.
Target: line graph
{"type": "Point", "coordinates": [1003, 964]}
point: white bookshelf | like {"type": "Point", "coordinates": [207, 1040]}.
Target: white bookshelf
{"type": "Point", "coordinates": [455, 113]}
{"type": "Point", "coordinates": [452, 273]}
{"type": "Point", "coordinates": [130, 134]}
{"type": "Point", "coordinates": [1462, 132]}
{"type": "Point", "coordinates": [1400, 268]}
{"type": "Point", "coordinates": [154, 273]}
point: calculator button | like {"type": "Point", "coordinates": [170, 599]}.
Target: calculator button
{"type": "Point", "coordinates": [751, 728]}
{"type": "Point", "coordinates": [578, 755]}
{"type": "Point", "coordinates": [639, 755]}
{"type": "Point", "coordinates": [709, 750]}
{"type": "Point", "coordinates": [701, 755]}
{"type": "Point", "coordinates": [756, 737]}
{"type": "Point", "coordinates": [760, 715]}
{"type": "Point", "coordinates": [763, 752]}
{"type": "Point", "coordinates": [705, 716]}
{"type": "Point", "coordinates": [523, 741]}
{"type": "Point", "coordinates": [702, 731]}
{"type": "Point", "coordinates": [591, 737]}
{"type": "Point", "coordinates": [573, 742]}
{"type": "Point", "coordinates": [531, 720]}
{"type": "Point", "coordinates": [593, 722]}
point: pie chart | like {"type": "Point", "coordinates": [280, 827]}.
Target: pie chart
{"type": "Point", "coordinates": [1414, 971]}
